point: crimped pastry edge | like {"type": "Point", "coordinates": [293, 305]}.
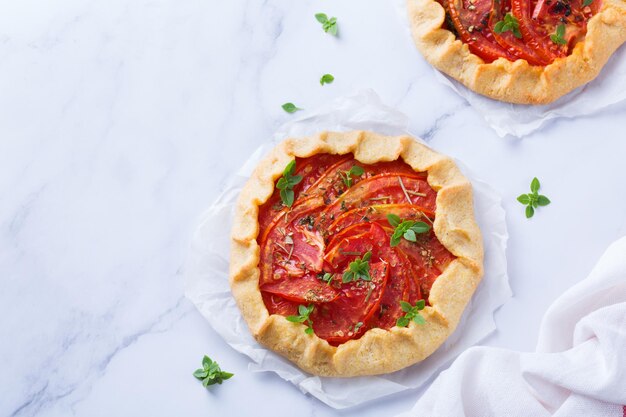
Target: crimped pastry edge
{"type": "Point", "coordinates": [518, 81]}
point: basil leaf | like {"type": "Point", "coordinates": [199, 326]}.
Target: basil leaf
{"type": "Point", "coordinates": [406, 307]}
{"type": "Point", "coordinates": [542, 200]}
{"type": "Point", "coordinates": [321, 17]}
{"type": "Point", "coordinates": [290, 108]}
{"type": "Point", "coordinates": [410, 235]}
{"type": "Point", "coordinates": [326, 79]}
{"type": "Point", "coordinates": [530, 211]}
{"type": "Point", "coordinates": [524, 199]}
{"type": "Point", "coordinates": [200, 373]}
{"type": "Point", "coordinates": [393, 219]}
{"type": "Point", "coordinates": [420, 227]}
{"type": "Point", "coordinates": [402, 322]}
{"type": "Point", "coordinates": [534, 185]}
{"type": "Point", "coordinates": [419, 319]}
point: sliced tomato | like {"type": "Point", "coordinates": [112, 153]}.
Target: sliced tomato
{"type": "Point", "coordinates": [276, 304]}
{"type": "Point", "coordinates": [398, 285]}
{"type": "Point", "coordinates": [306, 289]}
{"type": "Point", "coordinates": [310, 169]}
{"type": "Point", "coordinates": [383, 189]}
{"type": "Point", "coordinates": [292, 247]}
{"type": "Point", "coordinates": [348, 316]}
{"type": "Point", "coordinates": [547, 15]}
{"type": "Point", "coordinates": [428, 258]}
{"type": "Point", "coordinates": [378, 213]}
{"type": "Point", "coordinates": [334, 181]}
{"type": "Point", "coordinates": [525, 48]}
{"type": "Point", "coordinates": [471, 22]}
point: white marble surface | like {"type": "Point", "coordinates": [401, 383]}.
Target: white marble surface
{"type": "Point", "coordinates": [121, 120]}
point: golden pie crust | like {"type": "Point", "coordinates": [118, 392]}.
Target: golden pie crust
{"type": "Point", "coordinates": [377, 351]}
{"type": "Point", "coordinates": [517, 81]}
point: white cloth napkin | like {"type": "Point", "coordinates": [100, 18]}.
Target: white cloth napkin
{"type": "Point", "coordinates": [579, 368]}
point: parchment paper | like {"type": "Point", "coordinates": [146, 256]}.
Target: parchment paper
{"type": "Point", "coordinates": [519, 120]}
{"type": "Point", "coordinates": [206, 271]}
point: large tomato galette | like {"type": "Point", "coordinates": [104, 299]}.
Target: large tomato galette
{"type": "Point", "coordinates": [520, 51]}
{"type": "Point", "coordinates": [354, 253]}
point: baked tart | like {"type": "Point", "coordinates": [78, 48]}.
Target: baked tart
{"type": "Point", "coordinates": [354, 253]}
{"type": "Point", "coordinates": [519, 51]}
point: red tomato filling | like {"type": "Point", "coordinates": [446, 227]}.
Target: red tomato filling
{"type": "Point", "coordinates": [338, 217]}
{"type": "Point", "coordinates": [536, 37]}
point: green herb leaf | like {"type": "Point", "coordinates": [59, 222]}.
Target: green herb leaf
{"type": "Point", "coordinates": [346, 176]}
{"type": "Point", "coordinates": [286, 183]}
{"type": "Point", "coordinates": [509, 23]}
{"type": "Point", "coordinates": [533, 199]}
{"type": "Point", "coordinates": [535, 185]}
{"type": "Point", "coordinates": [328, 25]}
{"type": "Point", "coordinates": [410, 236]}
{"type": "Point", "coordinates": [557, 37]}
{"type": "Point", "coordinates": [402, 322]}
{"type": "Point", "coordinates": [290, 108]}
{"type": "Point", "coordinates": [542, 200]}
{"type": "Point", "coordinates": [327, 79]}
{"type": "Point", "coordinates": [407, 229]}
{"type": "Point", "coordinates": [393, 219]}
{"type": "Point", "coordinates": [304, 313]}
{"type": "Point", "coordinates": [411, 313]}
{"type": "Point", "coordinates": [358, 269]}
{"type": "Point", "coordinates": [357, 326]}
{"type": "Point", "coordinates": [327, 277]}
{"type": "Point", "coordinates": [210, 373]}
{"type": "Point", "coordinates": [406, 307]}
{"type": "Point", "coordinates": [321, 17]}
{"type": "Point", "coordinates": [587, 3]}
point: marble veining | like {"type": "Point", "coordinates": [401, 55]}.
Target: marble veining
{"type": "Point", "coordinates": [121, 121]}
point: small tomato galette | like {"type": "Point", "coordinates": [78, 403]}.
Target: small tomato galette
{"type": "Point", "coordinates": [354, 253]}
{"type": "Point", "coordinates": [519, 51]}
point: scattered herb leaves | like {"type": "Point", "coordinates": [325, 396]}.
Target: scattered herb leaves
{"type": "Point", "coordinates": [328, 25]}
{"type": "Point", "coordinates": [411, 313]}
{"type": "Point", "coordinates": [408, 229]}
{"type": "Point", "coordinates": [210, 373]}
{"type": "Point", "coordinates": [587, 3]}
{"type": "Point", "coordinates": [509, 23]}
{"type": "Point", "coordinates": [303, 316]}
{"type": "Point", "coordinates": [327, 79]}
{"type": "Point", "coordinates": [346, 176]}
{"type": "Point", "coordinates": [358, 269]}
{"type": "Point", "coordinates": [558, 36]}
{"type": "Point", "coordinates": [290, 108]}
{"type": "Point", "coordinates": [286, 183]}
{"type": "Point", "coordinates": [533, 199]}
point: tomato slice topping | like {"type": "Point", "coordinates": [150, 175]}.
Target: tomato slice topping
{"type": "Point", "coordinates": [292, 247]}
{"type": "Point", "coordinates": [378, 213]}
{"type": "Point", "coordinates": [334, 222]}
{"type": "Point", "coordinates": [348, 317]}
{"type": "Point", "coordinates": [383, 189]}
{"type": "Point", "coordinates": [471, 22]}
{"type": "Point", "coordinates": [474, 23]}
{"type": "Point", "coordinates": [306, 289]}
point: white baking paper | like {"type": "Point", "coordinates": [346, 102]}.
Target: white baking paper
{"type": "Point", "coordinates": [206, 272]}
{"type": "Point", "coordinates": [519, 120]}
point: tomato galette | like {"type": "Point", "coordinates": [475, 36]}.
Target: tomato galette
{"type": "Point", "coordinates": [520, 51]}
{"type": "Point", "coordinates": [354, 253]}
